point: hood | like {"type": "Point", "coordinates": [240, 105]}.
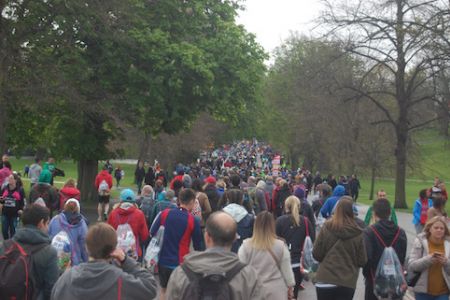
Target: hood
{"type": "Point", "coordinates": [201, 262]}
{"type": "Point", "coordinates": [387, 229]}
{"type": "Point", "coordinates": [339, 191]}
{"type": "Point", "coordinates": [71, 219]}
{"type": "Point", "coordinates": [126, 208]}
{"type": "Point", "coordinates": [31, 235]}
{"type": "Point", "coordinates": [91, 280]}
{"type": "Point", "coordinates": [46, 176]}
{"type": "Point", "coordinates": [70, 192]}
{"type": "Point", "coordinates": [347, 232]}
{"type": "Point", "coordinates": [236, 211]}
{"type": "Point", "coordinates": [299, 193]}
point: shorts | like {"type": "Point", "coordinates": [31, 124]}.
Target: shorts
{"type": "Point", "coordinates": [164, 275]}
{"type": "Point", "coordinates": [103, 199]}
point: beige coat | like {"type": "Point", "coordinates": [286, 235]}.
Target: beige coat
{"type": "Point", "coordinates": [420, 261]}
{"type": "Point", "coordinates": [275, 283]}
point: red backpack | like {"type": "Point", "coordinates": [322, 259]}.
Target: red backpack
{"type": "Point", "coordinates": [16, 271]}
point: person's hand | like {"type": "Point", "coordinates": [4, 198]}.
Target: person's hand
{"type": "Point", "coordinates": [442, 259]}
{"type": "Point", "coordinates": [118, 255]}
{"type": "Point", "coordinates": [291, 293]}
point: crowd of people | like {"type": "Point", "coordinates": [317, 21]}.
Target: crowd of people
{"type": "Point", "coordinates": [236, 224]}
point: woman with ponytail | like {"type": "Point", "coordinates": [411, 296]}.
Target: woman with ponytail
{"type": "Point", "coordinates": [293, 228]}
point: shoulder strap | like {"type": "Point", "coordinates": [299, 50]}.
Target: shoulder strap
{"type": "Point", "coordinates": [119, 288]}
{"type": "Point", "coordinates": [275, 259]}
{"type": "Point", "coordinates": [305, 219]}
{"type": "Point", "coordinates": [377, 234]}
{"type": "Point", "coordinates": [191, 275]}
{"type": "Point", "coordinates": [234, 271]}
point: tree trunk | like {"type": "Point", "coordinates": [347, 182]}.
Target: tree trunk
{"type": "Point", "coordinates": [400, 178]}
{"type": "Point", "coordinates": [145, 144]}
{"type": "Point", "coordinates": [87, 170]}
{"type": "Point", "coordinates": [372, 183]}
{"type": "Point", "coordinates": [3, 115]}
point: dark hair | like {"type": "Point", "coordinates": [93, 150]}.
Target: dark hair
{"type": "Point", "coordinates": [222, 235]}
{"type": "Point", "coordinates": [235, 180]}
{"type": "Point", "coordinates": [7, 164]}
{"type": "Point", "coordinates": [186, 196]}
{"type": "Point", "coordinates": [37, 160]}
{"type": "Point", "coordinates": [197, 185]}
{"type": "Point", "coordinates": [34, 213]}
{"type": "Point", "coordinates": [423, 193]}
{"type": "Point", "coordinates": [101, 240]}
{"type": "Point", "coordinates": [234, 196]}
{"type": "Point", "coordinates": [382, 208]}
{"type": "Point", "coordinates": [438, 202]}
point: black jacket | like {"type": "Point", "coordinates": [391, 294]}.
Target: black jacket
{"type": "Point", "coordinates": [280, 198]}
{"type": "Point", "coordinates": [306, 210]}
{"type": "Point", "coordinates": [374, 248]}
{"type": "Point", "coordinates": [294, 235]}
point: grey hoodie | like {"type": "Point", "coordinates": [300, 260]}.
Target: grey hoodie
{"type": "Point", "coordinates": [245, 285]}
{"type": "Point", "coordinates": [98, 280]}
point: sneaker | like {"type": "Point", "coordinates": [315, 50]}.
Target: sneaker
{"type": "Point", "coordinates": [99, 219]}
{"type": "Point", "coordinates": [105, 216]}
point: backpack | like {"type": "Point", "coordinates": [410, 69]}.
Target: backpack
{"type": "Point", "coordinates": [389, 280]}
{"type": "Point", "coordinates": [126, 240]}
{"type": "Point", "coordinates": [103, 188]}
{"type": "Point", "coordinates": [210, 286]}
{"type": "Point", "coordinates": [151, 257]}
{"type": "Point", "coordinates": [308, 263]}
{"type": "Point", "coordinates": [16, 266]}
{"type": "Point", "coordinates": [147, 204]}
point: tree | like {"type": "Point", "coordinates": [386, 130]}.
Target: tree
{"type": "Point", "coordinates": [399, 38]}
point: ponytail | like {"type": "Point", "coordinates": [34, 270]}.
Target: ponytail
{"type": "Point", "coordinates": [293, 207]}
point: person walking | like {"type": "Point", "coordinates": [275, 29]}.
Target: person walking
{"type": "Point", "coordinates": [383, 232]}
{"type": "Point", "coordinates": [68, 191]}
{"type": "Point", "coordinates": [340, 250]}
{"type": "Point", "coordinates": [420, 210]}
{"type": "Point", "coordinates": [72, 222]}
{"type": "Point", "coordinates": [294, 228]}
{"type": "Point", "coordinates": [35, 171]}
{"type": "Point", "coordinates": [270, 257]}
{"type": "Point", "coordinates": [12, 200]}
{"type": "Point", "coordinates": [220, 233]}
{"type": "Point", "coordinates": [103, 184]}
{"type": "Point", "coordinates": [430, 258]}
{"type": "Point", "coordinates": [118, 175]}
{"type": "Point", "coordinates": [109, 274]}
{"type": "Point", "coordinates": [139, 175]}
{"type": "Point", "coordinates": [45, 191]}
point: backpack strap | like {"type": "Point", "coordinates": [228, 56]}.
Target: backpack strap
{"type": "Point", "coordinates": [377, 234]}
{"type": "Point", "coordinates": [191, 275]}
{"type": "Point", "coordinates": [305, 219]}
{"type": "Point", "coordinates": [119, 288]}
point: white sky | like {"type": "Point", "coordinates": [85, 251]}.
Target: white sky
{"type": "Point", "coordinates": [273, 20]}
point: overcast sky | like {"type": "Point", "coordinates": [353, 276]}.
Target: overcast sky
{"type": "Point", "coordinates": [273, 20]}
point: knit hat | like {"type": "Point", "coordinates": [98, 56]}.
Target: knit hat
{"type": "Point", "coordinates": [127, 195]}
{"type": "Point", "coordinates": [299, 193]}
{"type": "Point", "coordinates": [75, 201]}
{"type": "Point", "coordinates": [210, 180]}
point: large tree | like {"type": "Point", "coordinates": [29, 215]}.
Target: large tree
{"type": "Point", "coordinates": [398, 38]}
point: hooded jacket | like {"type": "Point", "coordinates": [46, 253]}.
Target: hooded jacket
{"type": "Point", "coordinates": [327, 208]}
{"type": "Point", "coordinates": [279, 199]}
{"type": "Point", "coordinates": [76, 229]}
{"type": "Point", "coordinates": [244, 222]}
{"type": "Point", "coordinates": [45, 268]}
{"type": "Point", "coordinates": [387, 230]}
{"type": "Point", "coordinates": [103, 175]}
{"type": "Point", "coordinates": [341, 253]}
{"type": "Point", "coordinates": [129, 213]}
{"type": "Point", "coordinates": [67, 193]}
{"type": "Point", "coordinates": [47, 192]}
{"type": "Point", "coordinates": [4, 173]}
{"type": "Point", "coordinates": [98, 280]}
{"type": "Point", "coordinates": [244, 285]}
{"type": "Point", "coordinates": [305, 208]}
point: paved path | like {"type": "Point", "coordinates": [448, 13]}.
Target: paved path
{"type": "Point", "coordinates": [404, 220]}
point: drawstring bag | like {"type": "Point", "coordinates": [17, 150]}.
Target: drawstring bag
{"type": "Point", "coordinates": [389, 281]}
{"type": "Point", "coordinates": [61, 242]}
{"type": "Point", "coordinates": [151, 257]}
{"type": "Point", "coordinates": [308, 263]}
{"type": "Point", "coordinates": [126, 240]}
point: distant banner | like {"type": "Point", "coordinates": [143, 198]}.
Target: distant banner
{"type": "Point", "coordinates": [276, 165]}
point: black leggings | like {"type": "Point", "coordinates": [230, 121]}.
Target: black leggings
{"type": "Point", "coordinates": [298, 280]}
{"type": "Point", "coordinates": [335, 293]}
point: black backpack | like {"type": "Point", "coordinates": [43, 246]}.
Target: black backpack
{"type": "Point", "coordinates": [210, 286]}
{"type": "Point", "coordinates": [16, 271]}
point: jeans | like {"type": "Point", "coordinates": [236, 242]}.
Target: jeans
{"type": "Point", "coordinates": [335, 293]}
{"type": "Point", "coordinates": [9, 225]}
{"type": "Point", "coordinates": [423, 296]}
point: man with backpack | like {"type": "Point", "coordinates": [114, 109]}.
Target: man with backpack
{"type": "Point", "coordinates": [29, 252]}
{"type": "Point", "coordinates": [180, 227]}
{"type": "Point", "coordinates": [378, 237]}
{"type": "Point", "coordinates": [103, 184]}
{"type": "Point", "coordinates": [45, 191]}
{"type": "Point", "coordinates": [217, 272]}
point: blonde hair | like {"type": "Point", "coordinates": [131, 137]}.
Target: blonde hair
{"type": "Point", "coordinates": [292, 206]}
{"type": "Point", "coordinates": [433, 221]}
{"type": "Point", "coordinates": [70, 183]}
{"type": "Point", "coordinates": [263, 231]}
{"type": "Point", "coordinates": [343, 214]}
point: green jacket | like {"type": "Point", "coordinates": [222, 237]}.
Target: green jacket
{"type": "Point", "coordinates": [370, 219]}
{"type": "Point", "coordinates": [340, 253]}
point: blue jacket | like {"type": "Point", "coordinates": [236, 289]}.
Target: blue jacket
{"type": "Point", "coordinates": [77, 233]}
{"type": "Point", "coordinates": [418, 209]}
{"type": "Point", "coordinates": [327, 208]}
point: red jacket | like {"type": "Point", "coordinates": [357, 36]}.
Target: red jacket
{"type": "Point", "coordinates": [178, 177]}
{"type": "Point", "coordinates": [135, 218]}
{"type": "Point", "coordinates": [103, 175]}
{"type": "Point", "coordinates": [67, 193]}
